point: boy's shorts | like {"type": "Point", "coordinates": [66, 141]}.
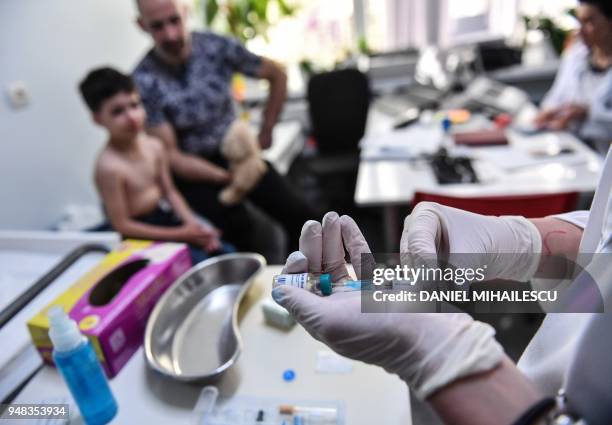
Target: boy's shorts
{"type": "Point", "coordinates": [164, 216]}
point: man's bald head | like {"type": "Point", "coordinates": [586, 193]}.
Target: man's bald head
{"type": "Point", "coordinates": [166, 22]}
{"type": "Point", "coordinates": [146, 4]}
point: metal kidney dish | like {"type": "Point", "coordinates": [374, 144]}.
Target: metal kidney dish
{"type": "Point", "coordinates": [192, 334]}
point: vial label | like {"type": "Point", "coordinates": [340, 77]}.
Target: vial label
{"type": "Point", "coordinates": [297, 280]}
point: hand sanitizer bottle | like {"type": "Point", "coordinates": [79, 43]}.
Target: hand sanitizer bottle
{"type": "Point", "coordinates": [76, 360]}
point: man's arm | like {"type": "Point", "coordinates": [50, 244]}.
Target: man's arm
{"type": "Point", "coordinates": [277, 78]}
{"type": "Point", "coordinates": [189, 167]}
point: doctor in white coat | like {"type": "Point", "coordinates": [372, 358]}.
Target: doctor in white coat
{"type": "Point", "coordinates": [451, 363]}
{"type": "Point", "coordinates": [581, 97]}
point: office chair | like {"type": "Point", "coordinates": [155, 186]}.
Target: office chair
{"type": "Point", "coordinates": [530, 206]}
{"type": "Point", "coordinates": [338, 104]}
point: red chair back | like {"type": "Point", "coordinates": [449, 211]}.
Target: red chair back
{"type": "Point", "coordinates": [530, 206]}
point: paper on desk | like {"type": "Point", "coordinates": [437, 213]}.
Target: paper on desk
{"type": "Point", "coordinates": [389, 153]}
{"type": "Point", "coordinates": [401, 144]}
{"type": "Point", "coordinates": [512, 158]}
{"type": "Point", "coordinates": [332, 363]}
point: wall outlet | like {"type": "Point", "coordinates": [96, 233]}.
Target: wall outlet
{"type": "Point", "coordinates": [19, 94]}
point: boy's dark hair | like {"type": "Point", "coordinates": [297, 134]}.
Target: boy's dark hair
{"type": "Point", "coordinates": [102, 84]}
{"type": "Point", "coordinates": [604, 6]}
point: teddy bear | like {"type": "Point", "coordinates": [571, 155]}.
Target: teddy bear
{"type": "Point", "coordinates": [241, 149]}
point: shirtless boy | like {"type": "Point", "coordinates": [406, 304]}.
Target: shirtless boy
{"type": "Point", "coordinates": [132, 172]}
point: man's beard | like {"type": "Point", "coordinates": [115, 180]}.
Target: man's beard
{"type": "Point", "coordinates": [173, 48]}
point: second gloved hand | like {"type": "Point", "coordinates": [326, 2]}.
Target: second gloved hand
{"type": "Point", "coordinates": [427, 351]}
{"type": "Point", "coordinates": [509, 245]}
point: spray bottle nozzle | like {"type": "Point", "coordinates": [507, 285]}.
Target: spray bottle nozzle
{"type": "Point", "coordinates": [63, 331]}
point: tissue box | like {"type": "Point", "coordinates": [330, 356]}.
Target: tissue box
{"type": "Point", "coordinates": [112, 302]}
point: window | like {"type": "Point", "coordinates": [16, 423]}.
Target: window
{"type": "Point", "coordinates": [476, 20]}
{"type": "Point", "coordinates": [325, 32]}
{"type": "Point", "coordinates": [399, 24]}
{"type": "Point", "coordinates": [322, 32]}
{"type": "Point", "coordinates": [468, 17]}
{"type": "Point", "coordinates": [555, 8]}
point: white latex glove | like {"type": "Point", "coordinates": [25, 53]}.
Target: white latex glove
{"type": "Point", "coordinates": [432, 228]}
{"type": "Point", "coordinates": [427, 351]}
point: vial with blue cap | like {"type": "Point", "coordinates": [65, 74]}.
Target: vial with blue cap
{"type": "Point", "coordinates": [447, 138]}
{"type": "Point", "coordinates": [318, 284]}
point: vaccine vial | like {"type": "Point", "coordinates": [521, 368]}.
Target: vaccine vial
{"type": "Point", "coordinates": [319, 284]}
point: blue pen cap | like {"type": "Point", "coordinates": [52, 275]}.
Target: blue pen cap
{"type": "Point", "coordinates": [446, 124]}
{"type": "Point", "coordinates": [325, 284]}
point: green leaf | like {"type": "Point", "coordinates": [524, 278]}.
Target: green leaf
{"type": "Point", "coordinates": [527, 20]}
{"type": "Point", "coordinates": [260, 7]}
{"type": "Point", "coordinates": [363, 46]}
{"type": "Point", "coordinates": [212, 7]}
{"type": "Point", "coordinates": [241, 15]}
{"type": "Point", "coordinates": [285, 9]}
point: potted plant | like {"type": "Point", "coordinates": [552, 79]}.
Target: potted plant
{"type": "Point", "coordinates": [245, 19]}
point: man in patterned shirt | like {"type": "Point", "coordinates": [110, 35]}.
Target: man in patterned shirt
{"type": "Point", "coordinates": [185, 83]}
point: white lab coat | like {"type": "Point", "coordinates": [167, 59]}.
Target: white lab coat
{"type": "Point", "coordinates": [577, 83]}
{"type": "Point", "coordinates": [550, 352]}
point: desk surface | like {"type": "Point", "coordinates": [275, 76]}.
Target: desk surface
{"type": "Point", "coordinates": [370, 395]}
{"type": "Point", "coordinates": [394, 182]}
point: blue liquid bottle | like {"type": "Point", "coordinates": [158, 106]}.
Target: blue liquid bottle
{"type": "Point", "coordinates": [76, 360]}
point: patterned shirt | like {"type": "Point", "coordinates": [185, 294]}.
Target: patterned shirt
{"type": "Point", "coordinates": [195, 98]}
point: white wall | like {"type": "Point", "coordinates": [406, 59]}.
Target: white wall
{"type": "Point", "coordinates": [47, 149]}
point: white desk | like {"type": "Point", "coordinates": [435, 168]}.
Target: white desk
{"type": "Point", "coordinates": [371, 396]}
{"type": "Point", "coordinates": [390, 183]}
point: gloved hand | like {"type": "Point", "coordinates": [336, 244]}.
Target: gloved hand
{"type": "Point", "coordinates": [427, 351]}
{"type": "Point", "coordinates": [444, 231]}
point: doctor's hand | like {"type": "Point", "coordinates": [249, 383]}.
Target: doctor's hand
{"type": "Point", "coordinates": [433, 230]}
{"type": "Point", "coordinates": [568, 115]}
{"type": "Point", "coordinates": [562, 117]}
{"type": "Point", "coordinates": [545, 116]}
{"type": "Point", "coordinates": [427, 351]}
